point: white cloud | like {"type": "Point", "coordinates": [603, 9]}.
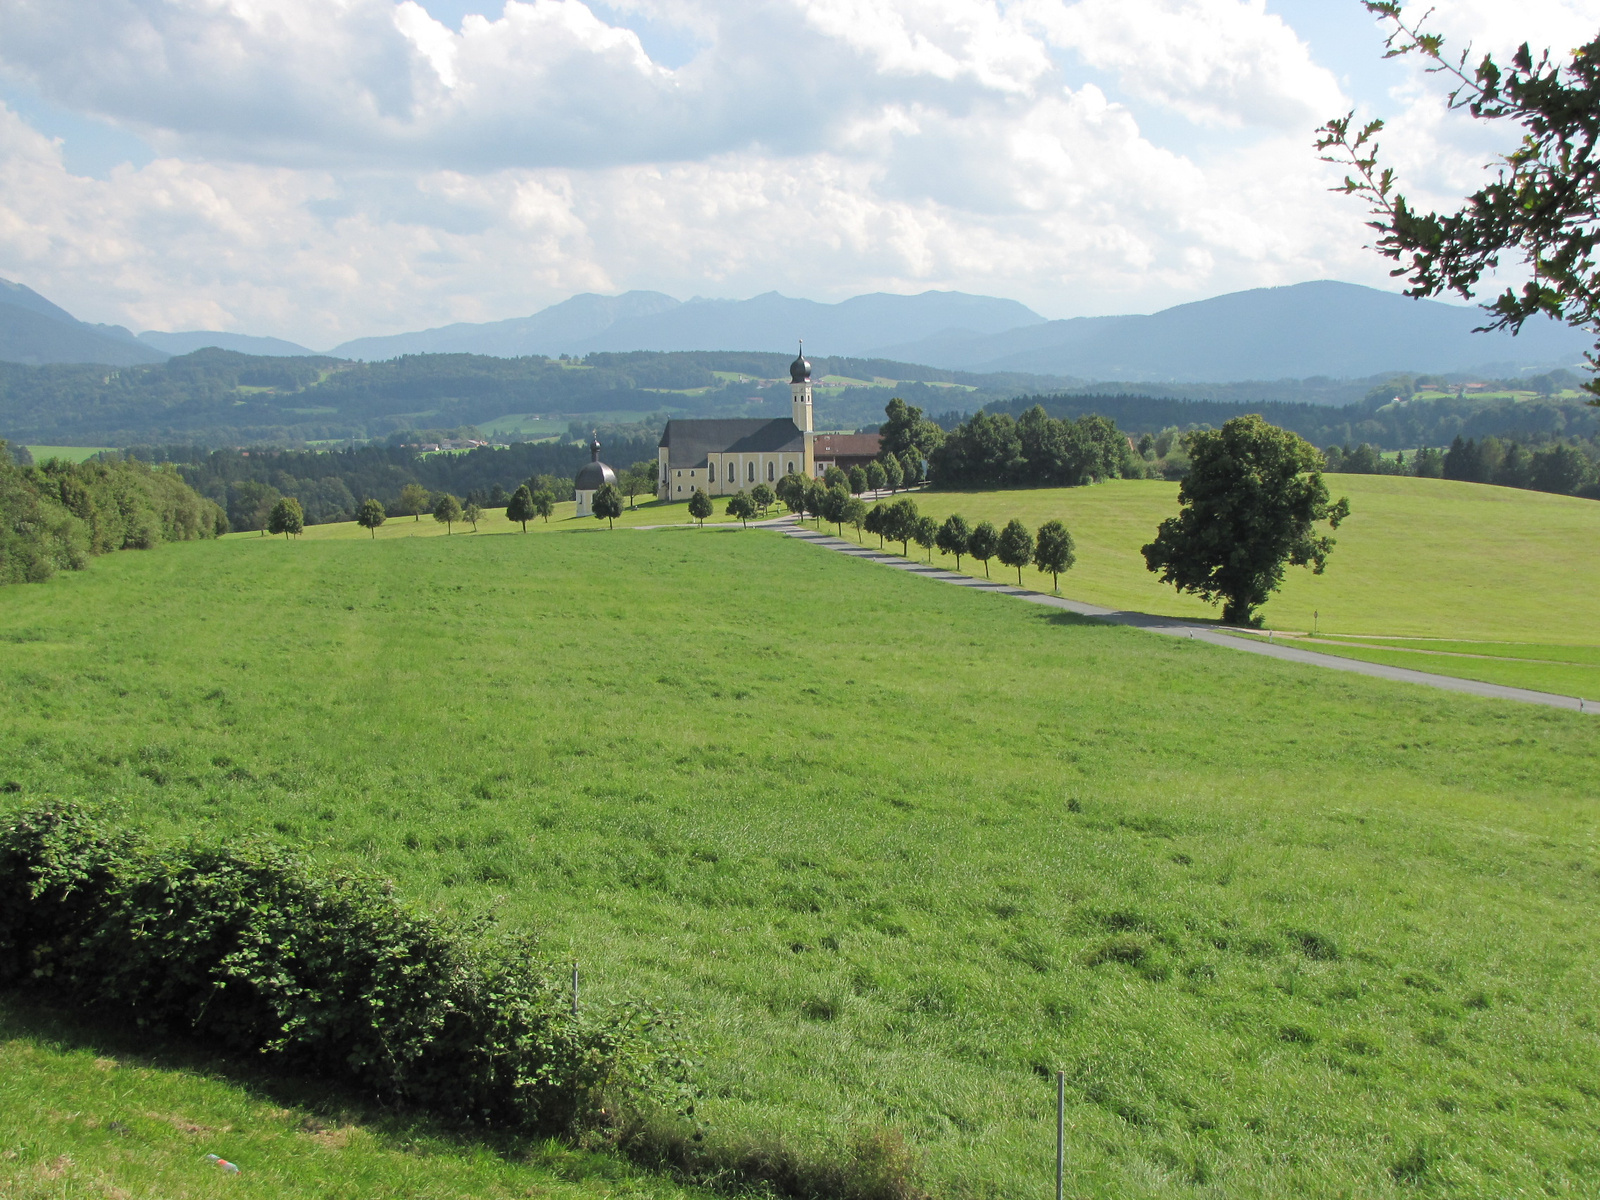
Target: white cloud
{"type": "Point", "coordinates": [332, 168]}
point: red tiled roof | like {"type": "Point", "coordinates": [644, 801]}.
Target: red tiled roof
{"type": "Point", "coordinates": [848, 445]}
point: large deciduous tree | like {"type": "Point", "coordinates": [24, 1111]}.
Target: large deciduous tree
{"type": "Point", "coordinates": [1250, 504]}
{"type": "Point", "coordinates": [907, 430]}
{"type": "Point", "coordinates": [1015, 547]}
{"type": "Point", "coordinates": [1541, 206]}
{"type": "Point", "coordinates": [544, 504]}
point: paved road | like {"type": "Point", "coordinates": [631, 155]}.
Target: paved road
{"type": "Point", "coordinates": [1173, 627]}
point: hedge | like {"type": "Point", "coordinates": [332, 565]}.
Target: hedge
{"type": "Point", "coordinates": [252, 949]}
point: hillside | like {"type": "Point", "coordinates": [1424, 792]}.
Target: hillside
{"type": "Point", "coordinates": [1324, 328]}
{"type": "Point", "coordinates": [33, 330]}
{"type": "Point", "coordinates": [652, 321]}
{"type": "Point", "coordinates": [1276, 926]}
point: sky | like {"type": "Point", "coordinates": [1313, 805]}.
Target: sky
{"type": "Point", "coordinates": [326, 169]}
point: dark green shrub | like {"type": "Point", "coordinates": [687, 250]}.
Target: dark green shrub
{"type": "Point", "coordinates": [250, 949]}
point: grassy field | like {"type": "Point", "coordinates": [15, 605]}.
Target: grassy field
{"type": "Point", "coordinates": [86, 1115]}
{"type": "Point", "coordinates": [897, 851]}
{"type": "Point", "coordinates": [1566, 670]}
{"type": "Point", "coordinates": [649, 512]}
{"type": "Point", "coordinates": [70, 453]}
{"type": "Point", "coordinates": [1418, 558]}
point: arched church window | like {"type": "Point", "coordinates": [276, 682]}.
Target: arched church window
{"type": "Point", "coordinates": [752, 478]}
{"type": "Point", "coordinates": [711, 473]}
{"type": "Point", "coordinates": [791, 469]}
{"type": "Point", "coordinates": [772, 471]}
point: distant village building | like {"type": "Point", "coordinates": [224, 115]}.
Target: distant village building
{"type": "Point", "coordinates": [846, 450]}
{"type": "Point", "coordinates": [591, 477]}
{"type": "Point", "coordinates": [722, 457]}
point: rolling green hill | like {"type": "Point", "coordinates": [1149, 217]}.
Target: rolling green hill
{"type": "Point", "coordinates": [897, 852]}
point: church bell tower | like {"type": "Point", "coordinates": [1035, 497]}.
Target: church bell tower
{"type": "Point", "coordinates": [800, 407]}
{"type": "Point", "coordinates": [800, 393]}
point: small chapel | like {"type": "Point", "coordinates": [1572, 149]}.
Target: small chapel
{"type": "Point", "coordinates": [722, 457]}
{"type": "Point", "coordinates": [591, 477]}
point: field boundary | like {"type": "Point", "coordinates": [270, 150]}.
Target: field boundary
{"type": "Point", "coordinates": [1176, 627]}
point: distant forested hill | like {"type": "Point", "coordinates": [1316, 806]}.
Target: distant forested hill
{"type": "Point", "coordinates": [223, 398]}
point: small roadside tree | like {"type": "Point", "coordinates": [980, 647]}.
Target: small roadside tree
{"type": "Point", "coordinates": [873, 522]}
{"type": "Point", "coordinates": [414, 501]}
{"type": "Point", "coordinates": [764, 497]}
{"type": "Point", "coordinates": [286, 518]}
{"type": "Point", "coordinates": [858, 480]}
{"type": "Point", "coordinates": [855, 514]}
{"type": "Point", "coordinates": [472, 513]}
{"type": "Point", "coordinates": [1249, 506]}
{"type": "Point", "coordinates": [834, 502]}
{"type": "Point", "coordinates": [954, 535]}
{"type": "Point", "coordinates": [893, 472]}
{"type": "Point", "coordinates": [1015, 547]}
{"type": "Point", "coordinates": [447, 512]}
{"type": "Point", "coordinates": [607, 503]}
{"type": "Point", "coordinates": [544, 504]}
{"type": "Point", "coordinates": [741, 507]}
{"type": "Point", "coordinates": [370, 516]}
{"type": "Point", "coordinates": [812, 497]}
{"type": "Point", "coordinates": [925, 532]}
{"type": "Point", "coordinates": [877, 478]}
{"type": "Point", "coordinates": [911, 468]}
{"type": "Point", "coordinates": [983, 544]}
{"type": "Point", "coordinates": [521, 507]}
{"type": "Point", "coordinates": [900, 524]}
{"type": "Point", "coordinates": [792, 491]}
{"type": "Point", "coordinates": [1053, 551]}
{"type": "Point", "coordinates": [700, 506]}
{"type": "Point", "coordinates": [834, 477]}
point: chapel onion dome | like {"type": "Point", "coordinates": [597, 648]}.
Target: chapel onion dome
{"type": "Point", "coordinates": [800, 369]}
{"type": "Point", "coordinates": [594, 473]}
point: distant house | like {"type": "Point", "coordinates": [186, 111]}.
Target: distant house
{"type": "Point", "coordinates": [846, 450]}
{"type": "Point", "coordinates": [724, 457]}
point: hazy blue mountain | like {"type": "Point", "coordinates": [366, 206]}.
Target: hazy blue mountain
{"type": "Point", "coordinates": [652, 321]}
{"type": "Point", "coordinates": [1309, 329]}
{"type": "Point", "coordinates": [200, 339]}
{"type": "Point", "coordinates": [564, 328]}
{"type": "Point", "coordinates": [34, 331]}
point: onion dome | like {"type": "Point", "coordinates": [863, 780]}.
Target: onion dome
{"type": "Point", "coordinates": [800, 369]}
{"type": "Point", "coordinates": [594, 473]}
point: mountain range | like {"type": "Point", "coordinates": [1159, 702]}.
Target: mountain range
{"type": "Point", "coordinates": [1318, 329]}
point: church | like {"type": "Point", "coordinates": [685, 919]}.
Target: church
{"type": "Point", "coordinates": [724, 457]}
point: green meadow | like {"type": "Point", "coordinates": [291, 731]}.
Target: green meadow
{"type": "Point", "coordinates": [1418, 558]}
{"type": "Point", "coordinates": [75, 454]}
{"type": "Point", "coordinates": [897, 853]}
{"type": "Point", "coordinates": [86, 1115]}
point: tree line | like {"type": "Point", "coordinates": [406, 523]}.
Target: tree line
{"type": "Point", "coordinates": [56, 515]}
{"type": "Point", "coordinates": [1570, 468]}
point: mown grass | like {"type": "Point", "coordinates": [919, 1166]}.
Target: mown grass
{"type": "Point", "coordinates": [897, 851]}
{"type": "Point", "coordinates": [75, 454]}
{"type": "Point", "coordinates": [84, 1114]}
{"type": "Point", "coordinates": [1566, 670]}
{"type": "Point", "coordinates": [563, 520]}
{"type": "Point", "coordinates": [1428, 558]}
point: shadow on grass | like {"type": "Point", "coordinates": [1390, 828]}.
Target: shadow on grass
{"type": "Point", "coordinates": [33, 1018]}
